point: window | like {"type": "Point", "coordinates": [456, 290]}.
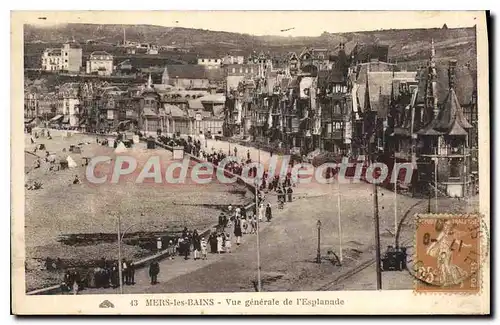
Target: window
{"type": "Point", "coordinates": [241, 70]}
{"type": "Point", "coordinates": [246, 70]}
{"type": "Point", "coordinates": [234, 70]}
{"type": "Point", "coordinates": [251, 70]}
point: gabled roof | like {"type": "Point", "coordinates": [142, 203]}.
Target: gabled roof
{"type": "Point", "coordinates": [195, 104]}
{"type": "Point", "coordinates": [213, 98]}
{"type": "Point", "coordinates": [187, 71]}
{"type": "Point", "coordinates": [367, 52]}
{"type": "Point", "coordinates": [100, 53]}
{"type": "Point", "coordinates": [451, 114]}
{"type": "Point", "coordinates": [464, 84]}
{"type": "Point", "coordinates": [174, 111]}
{"type": "Point", "coordinates": [379, 87]}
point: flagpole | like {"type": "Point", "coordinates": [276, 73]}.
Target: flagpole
{"type": "Point", "coordinates": [339, 216]}
{"type": "Point", "coordinates": [435, 185]}
{"type": "Point", "coordinates": [395, 174]}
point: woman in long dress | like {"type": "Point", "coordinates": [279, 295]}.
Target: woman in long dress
{"type": "Point", "coordinates": [237, 230]}
{"type": "Point", "coordinates": [227, 243]}
{"type": "Point", "coordinates": [213, 243]}
{"type": "Point", "coordinates": [219, 243]}
{"type": "Point", "coordinates": [196, 244]}
{"type": "Point", "coordinates": [261, 212]}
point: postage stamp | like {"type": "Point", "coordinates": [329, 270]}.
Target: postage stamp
{"type": "Point", "coordinates": [448, 253]}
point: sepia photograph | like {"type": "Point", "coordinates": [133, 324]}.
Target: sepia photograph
{"type": "Point", "coordinates": [184, 153]}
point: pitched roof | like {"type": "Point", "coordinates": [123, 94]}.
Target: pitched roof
{"type": "Point", "coordinates": [187, 71]}
{"type": "Point", "coordinates": [464, 83]}
{"type": "Point", "coordinates": [100, 53]}
{"type": "Point", "coordinates": [366, 52]}
{"type": "Point", "coordinates": [174, 111]}
{"type": "Point", "coordinates": [214, 98]}
{"type": "Point", "coordinates": [195, 104]}
{"type": "Point", "coordinates": [451, 114]}
{"type": "Point", "coordinates": [379, 87]}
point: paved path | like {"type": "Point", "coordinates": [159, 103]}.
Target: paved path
{"type": "Point", "coordinates": [289, 243]}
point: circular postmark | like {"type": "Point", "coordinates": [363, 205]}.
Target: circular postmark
{"type": "Point", "coordinates": [449, 251]}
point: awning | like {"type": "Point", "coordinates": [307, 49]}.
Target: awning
{"type": "Point", "coordinates": [28, 120]}
{"type": "Point", "coordinates": [56, 118]}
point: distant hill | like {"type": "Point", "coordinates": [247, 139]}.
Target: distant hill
{"type": "Point", "coordinates": [410, 45]}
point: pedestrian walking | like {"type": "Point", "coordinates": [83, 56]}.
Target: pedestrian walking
{"type": "Point", "coordinates": [154, 270]}
{"type": "Point", "coordinates": [172, 249]}
{"type": "Point", "coordinates": [203, 245]}
{"type": "Point", "coordinates": [76, 282]}
{"type": "Point", "coordinates": [219, 243]}
{"type": "Point", "coordinates": [196, 245]}
{"type": "Point", "coordinates": [221, 219]}
{"type": "Point", "coordinates": [212, 240]}
{"type": "Point", "coordinates": [269, 214]}
{"type": "Point", "coordinates": [114, 276]}
{"type": "Point", "coordinates": [227, 243]}
{"type": "Point", "coordinates": [125, 272]}
{"type": "Point", "coordinates": [131, 272]}
{"type": "Point", "coordinates": [187, 246]}
{"type": "Point", "coordinates": [244, 225]}
{"type": "Point", "coordinates": [248, 154]}
{"type": "Point", "coordinates": [237, 230]}
{"type": "Point", "coordinates": [261, 212]}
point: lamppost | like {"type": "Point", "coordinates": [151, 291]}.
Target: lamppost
{"type": "Point", "coordinates": [257, 186]}
{"type": "Point", "coordinates": [318, 254]}
{"type": "Point", "coordinates": [120, 237]}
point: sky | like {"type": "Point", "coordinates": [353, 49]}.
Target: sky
{"type": "Point", "coordinates": [298, 23]}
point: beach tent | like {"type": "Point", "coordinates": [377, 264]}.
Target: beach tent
{"type": "Point", "coordinates": [71, 162]}
{"type": "Point", "coordinates": [120, 148]}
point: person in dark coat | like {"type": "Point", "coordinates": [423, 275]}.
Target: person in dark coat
{"type": "Point", "coordinates": [131, 270]}
{"type": "Point", "coordinates": [187, 246]}
{"type": "Point", "coordinates": [115, 276]}
{"type": "Point", "coordinates": [196, 244]}
{"type": "Point", "coordinates": [225, 221]}
{"type": "Point", "coordinates": [269, 214]}
{"type": "Point", "coordinates": [67, 281]}
{"type": "Point", "coordinates": [154, 270]}
{"type": "Point", "coordinates": [212, 240]}
{"type": "Point", "coordinates": [289, 192]}
{"type": "Point", "coordinates": [237, 230]}
{"type": "Point", "coordinates": [221, 220]}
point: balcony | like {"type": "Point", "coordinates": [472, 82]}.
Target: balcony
{"type": "Point", "coordinates": [326, 117]}
{"type": "Point", "coordinates": [335, 135]}
{"type": "Point", "coordinates": [445, 152]}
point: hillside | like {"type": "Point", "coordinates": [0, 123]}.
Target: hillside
{"type": "Point", "coordinates": [411, 45]}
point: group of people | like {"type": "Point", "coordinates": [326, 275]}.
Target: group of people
{"type": "Point", "coordinates": [104, 275]}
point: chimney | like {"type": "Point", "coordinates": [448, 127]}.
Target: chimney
{"type": "Point", "coordinates": [451, 73]}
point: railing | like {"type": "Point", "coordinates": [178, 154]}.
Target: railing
{"type": "Point", "coordinates": [337, 135]}
{"type": "Point", "coordinates": [446, 151]}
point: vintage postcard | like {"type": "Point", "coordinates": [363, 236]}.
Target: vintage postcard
{"type": "Point", "coordinates": [250, 162]}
